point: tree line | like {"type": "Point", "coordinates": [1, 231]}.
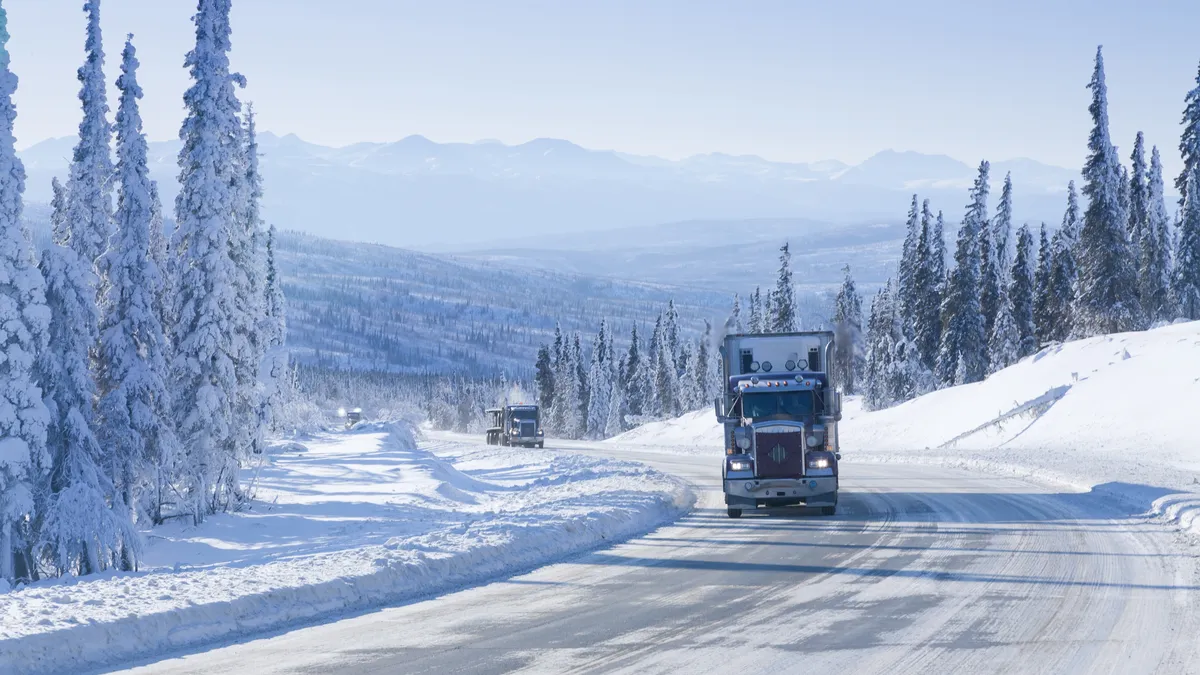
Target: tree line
{"type": "Point", "coordinates": [138, 364]}
{"type": "Point", "coordinates": [1118, 265]}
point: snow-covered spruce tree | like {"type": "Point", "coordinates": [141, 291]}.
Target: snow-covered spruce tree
{"type": "Point", "coordinates": [989, 280]}
{"type": "Point", "coordinates": [687, 392]}
{"type": "Point", "coordinates": [1106, 285]}
{"type": "Point", "coordinates": [755, 323]}
{"type": "Point", "coordinates": [1189, 141]}
{"type": "Point", "coordinates": [702, 380]}
{"type": "Point", "coordinates": [1154, 259]}
{"type": "Point", "coordinates": [599, 384]}
{"type": "Point", "coordinates": [1185, 282]}
{"type": "Point", "coordinates": [1004, 344]}
{"type": "Point", "coordinates": [962, 356]}
{"type": "Point", "coordinates": [553, 415]}
{"type": "Point", "coordinates": [905, 282]}
{"type": "Point", "coordinates": [937, 254]}
{"type": "Point", "coordinates": [1043, 318]}
{"type": "Point", "coordinates": [617, 408]}
{"type": "Point", "coordinates": [250, 412]}
{"type": "Point", "coordinates": [634, 378]}
{"type": "Point", "coordinates": [1021, 293]}
{"type": "Point", "coordinates": [1001, 231]}
{"type": "Point", "coordinates": [1060, 291]}
{"type": "Point", "coordinates": [24, 461]}
{"type": "Point", "coordinates": [666, 385]}
{"type": "Point", "coordinates": [135, 403]}
{"type": "Point", "coordinates": [1139, 195]}
{"type": "Point", "coordinates": [205, 312]}
{"type": "Point", "coordinates": [276, 361]}
{"type": "Point", "coordinates": [734, 324]}
{"type": "Point", "coordinates": [543, 379]}
{"type": "Point", "coordinates": [878, 378]}
{"type": "Point", "coordinates": [847, 327]}
{"type": "Point", "coordinates": [160, 253]}
{"type": "Point", "coordinates": [923, 322]}
{"type": "Point", "coordinates": [90, 185]}
{"type": "Point", "coordinates": [80, 534]}
{"type": "Point", "coordinates": [671, 336]}
{"type": "Point", "coordinates": [577, 403]}
{"type": "Point", "coordinates": [783, 318]}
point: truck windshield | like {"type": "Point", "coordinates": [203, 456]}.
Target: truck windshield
{"type": "Point", "coordinates": [524, 413]}
{"type": "Point", "coordinates": [790, 403]}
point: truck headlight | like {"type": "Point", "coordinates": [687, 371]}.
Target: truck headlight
{"type": "Point", "coordinates": [541, 433]}
{"type": "Point", "coordinates": [819, 460]}
{"type": "Point", "coordinates": [740, 465]}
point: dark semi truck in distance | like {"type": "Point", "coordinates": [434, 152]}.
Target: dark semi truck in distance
{"type": "Point", "coordinates": [515, 425]}
{"type": "Point", "coordinates": [780, 412]}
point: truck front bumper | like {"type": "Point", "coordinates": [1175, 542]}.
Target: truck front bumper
{"type": "Point", "coordinates": [813, 491]}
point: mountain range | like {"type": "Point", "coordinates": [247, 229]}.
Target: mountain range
{"type": "Point", "coordinates": [465, 196]}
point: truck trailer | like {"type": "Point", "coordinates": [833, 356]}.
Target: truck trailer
{"type": "Point", "coordinates": [780, 411]}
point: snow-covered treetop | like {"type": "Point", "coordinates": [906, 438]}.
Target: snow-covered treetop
{"type": "Point", "coordinates": [90, 185]}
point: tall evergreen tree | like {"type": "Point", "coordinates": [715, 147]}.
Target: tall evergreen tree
{"type": "Point", "coordinates": [1060, 291]}
{"type": "Point", "coordinates": [923, 320]}
{"type": "Point", "coordinates": [671, 336]}
{"type": "Point", "coordinates": [783, 299]}
{"type": "Point", "coordinates": [989, 280]}
{"type": "Point", "coordinates": [543, 379]}
{"type": "Point", "coordinates": [251, 321]}
{"type": "Point", "coordinates": [599, 385]}
{"type": "Point", "coordinates": [848, 330]}
{"type": "Point", "coordinates": [1185, 282]}
{"type": "Point", "coordinates": [1044, 319]}
{"type": "Point", "coordinates": [962, 356]}
{"type": "Point", "coordinates": [1189, 141]}
{"type": "Point", "coordinates": [937, 252]}
{"type": "Point", "coordinates": [24, 461]}
{"type": "Point", "coordinates": [1106, 286]}
{"type": "Point", "coordinates": [878, 377]}
{"type": "Point", "coordinates": [1154, 259]}
{"type": "Point", "coordinates": [1001, 231]}
{"type": "Point", "coordinates": [702, 372]}
{"type": "Point", "coordinates": [617, 408]}
{"type": "Point", "coordinates": [89, 184]}
{"type": "Point", "coordinates": [159, 252]}
{"type": "Point", "coordinates": [1139, 195]}
{"type": "Point", "coordinates": [907, 271]}
{"type": "Point", "coordinates": [634, 376]}
{"type": "Point", "coordinates": [581, 396]}
{"type": "Point", "coordinates": [135, 403]}
{"type": "Point", "coordinates": [1004, 344]}
{"type": "Point", "coordinates": [734, 324]}
{"type": "Point", "coordinates": [1021, 292]}
{"type": "Point", "coordinates": [207, 212]}
{"type": "Point", "coordinates": [756, 315]}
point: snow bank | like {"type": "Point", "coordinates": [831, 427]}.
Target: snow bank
{"type": "Point", "coordinates": [344, 522]}
{"type": "Point", "coordinates": [1112, 414]}
{"type": "Point", "coordinates": [691, 433]}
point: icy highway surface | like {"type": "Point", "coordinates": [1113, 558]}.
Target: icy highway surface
{"type": "Point", "coordinates": [924, 570]}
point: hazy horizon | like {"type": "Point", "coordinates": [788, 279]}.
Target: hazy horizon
{"type": "Point", "coordinates": [785, 82]}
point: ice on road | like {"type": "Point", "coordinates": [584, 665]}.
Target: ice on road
{"type": "Point", "coordinates": [925, 569]}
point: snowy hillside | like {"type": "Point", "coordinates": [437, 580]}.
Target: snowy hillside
{"type": "Point", "coordinates": [343, 521]}
{"type": "Point", "coordinates": [391, 309]}
{"type": "Point", "coordinates": [1114, 413]}
{"type": "Point", "coordinates": [454, 193]}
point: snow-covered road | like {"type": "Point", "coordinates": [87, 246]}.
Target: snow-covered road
{"type": "Point", "coordinates": [925, 569]}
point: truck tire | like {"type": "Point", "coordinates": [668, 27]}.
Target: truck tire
{"type": "Point", "coordinates": [829, 510]}
{"type": "Point", "coordinates": [541, 444]}
{"type": "Point", "coordinates": [733, 513]}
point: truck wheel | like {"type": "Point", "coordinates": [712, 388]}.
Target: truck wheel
{"type": "Point", "coordinates": [541, 444]}
{"type": "Point", "coordinates": [829, 510]}
{"type": "Point", "coordinates": [734, 513]}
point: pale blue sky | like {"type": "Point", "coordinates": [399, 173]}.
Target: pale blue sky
{"type": "Point", "coordinates": [786, 80]}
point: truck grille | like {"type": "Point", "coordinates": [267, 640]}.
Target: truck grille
{"type": "Point", "coordinates": [779, 454]}
{"type": "Point", "coordinates": [527, 429]}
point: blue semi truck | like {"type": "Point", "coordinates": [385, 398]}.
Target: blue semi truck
{"type": "Point", "coordinates": [780, 410]}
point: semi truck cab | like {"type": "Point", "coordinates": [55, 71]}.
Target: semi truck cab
{"type": "Point", "coordinates": [780, 411]}
{"type": "Point", "coordinates": [516, 425]}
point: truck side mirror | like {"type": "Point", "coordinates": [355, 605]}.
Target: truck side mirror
{"type": "Point", "coordinates": [719, 407]}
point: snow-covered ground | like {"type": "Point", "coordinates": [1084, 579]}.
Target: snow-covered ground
{"type": "Point", "coordinates": [341, 522]}
{"type": "Point", "coordinates": [1116, 414]}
